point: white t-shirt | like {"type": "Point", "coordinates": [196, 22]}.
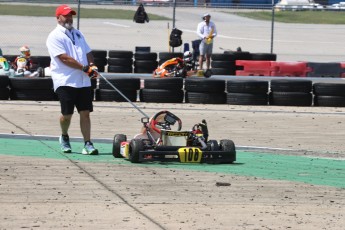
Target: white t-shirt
{"type": "Point", "coordinates": [204, 30]}
{"type": "Point", "coordinates": [72, 43]}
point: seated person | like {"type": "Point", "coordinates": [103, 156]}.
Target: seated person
{"type": "Point", "coordinates": [4, 65]}
{"type": "Point", "coordinates": [23, 65]}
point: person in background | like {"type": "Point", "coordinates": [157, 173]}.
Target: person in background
{"type": "Point", "coordinates": [72, 68]}
{"type": "Point", "coordinates": [23, 65]}
{"type": "Point", "coordinates": [206, 31]}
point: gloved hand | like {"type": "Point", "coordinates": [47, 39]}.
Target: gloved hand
{"type": "Point", "coordinates": [91, 70]}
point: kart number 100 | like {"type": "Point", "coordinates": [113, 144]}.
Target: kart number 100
{"type": "Point", "coordinates": [190, 155]}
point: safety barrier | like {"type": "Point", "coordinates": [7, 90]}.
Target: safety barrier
{"type": "Point", "coordinates": [289, 69]}
{"type": "Point", "coordinates": [253, 68]}
{"type": "Point", "coordinates": [332, 69]}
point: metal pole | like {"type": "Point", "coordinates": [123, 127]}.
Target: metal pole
{"type": "Point", "coordinates": [174, 13]}
{"type": "Point", "coordinates": [272, 26]}
{"type": "Point", "coordinates": [78, 18]}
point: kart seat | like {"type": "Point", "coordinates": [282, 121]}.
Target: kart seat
{"type": "Point", "coordinates": [174, 138]}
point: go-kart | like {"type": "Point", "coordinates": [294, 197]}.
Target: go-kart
{"type": "Point", "coordinates": [161, 139]}
{"type": "Point", "coordinates": [177, 67]}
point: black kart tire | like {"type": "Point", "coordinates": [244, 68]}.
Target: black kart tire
{"type": "Point", "coordinates": [120, 83]}
{"type": "Point", "coordinates": [99, 53]}
{"type": "Point", "coordinates": [4, 93]}
{"type": "Point", "coordinates": [33, 94]}
{"type": "Point", "coordinates": [205, 98]}
{"type": "Point", "coordinates": [329, 89]}
{"type": "Point", "coordinates": [4, 82]}
{"type": "Point", "coordinates": [120, 61]}
{"type": "Point", "coordinates": [135, 146]}
{"type": "Point", "coordinates": [213, 145]}
{"type": "Point", "coordinates": [204, 85]}
{"type": "Point", "coordinates": [118, 138]}
{"type": "Point", "coordinates": [167, 55]}
{"type": "Point", "coordinates": [264, 56]}
{"type": "Point", "coordinates": [120, 54]}
{"type": "Point", "coordinates": [229, 147]}
{"type": "Point", "coordinates": [164, 83]}
{"type": "Point", "coordinates": [223, 57]}
{"type": "Point", "coordinates": [246, 99]}
{"type": "Point", "coordinates": [112, 95]}
{"type": "Point", "coordinates": [161, 96]}
{"type": "Point", "coordinates": [247, 86]}
{"type": "Point", "coordinates": [145, 56]}
{"type": "Point", "coordinates": [282, 85]}
{"type": "Point", "coordinates": [31, 83]}
{"type": "Point", "coordinates": [290, 98]}
{"type": "Point", "coordinates": [329, 101]}
{"type": "Point", "coordinates": [120, 69]}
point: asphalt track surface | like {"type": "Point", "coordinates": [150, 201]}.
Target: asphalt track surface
{"type": "Point", "coordinates": [291, 181]}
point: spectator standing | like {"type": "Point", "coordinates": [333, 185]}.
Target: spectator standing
{"type": "Point", "coordinates": [71, 69]}
{"type": "Point", "coordinates": [206, 30]}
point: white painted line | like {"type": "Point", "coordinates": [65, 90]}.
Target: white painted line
{"type": "Point", "coordinates": [115, 24]}
{"type": "Point", "coordinates": [262, 40]}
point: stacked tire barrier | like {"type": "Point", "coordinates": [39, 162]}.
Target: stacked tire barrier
{"type": "Point", "coordinates": [127, 86]}
{"type": "Point", "coordinates": [36, 89]}
{"type": "Point", "coordinates": [205, 91]}
{"type": "Point", "coordinates": [4, 88]}
{"type": "Point", "coordinates": [223, 64]}
{"type": "Point", "coordinates": [329, 94]}
{"type": "Point", "coordinates": [247, 92]}
{"type": "Point", "coordinates": [162, 90]}
{"type": "Point", "coordinates": [120, 61]}
{"type": "Point", "coordinates": [164, 56]}
{"type": "Point", "coordinates": [291, 92]}
{"type": "Point", "coordinates": [100, 59]}
{"type": "Point", "coordinates": [145, 62]}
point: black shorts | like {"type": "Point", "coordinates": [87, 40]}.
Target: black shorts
{"type": "Point", "coordinates": [70, 97]}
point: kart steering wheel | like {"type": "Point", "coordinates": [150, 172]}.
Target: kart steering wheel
{"type": "Point", "coordinates": [169, 120]}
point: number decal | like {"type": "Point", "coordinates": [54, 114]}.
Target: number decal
{"type": "Point", "coordinates": [190, 155]}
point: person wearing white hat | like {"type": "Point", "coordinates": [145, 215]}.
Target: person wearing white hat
{"type": "Point", "coordinates": [206, 31]}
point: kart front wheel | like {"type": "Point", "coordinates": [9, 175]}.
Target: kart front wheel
{"type": "Point", "coordinates": [229, 147]}
{"type": "Point", "coordinates": [118, 138]}
{"type": "Point", "coordinates": [135, 146]}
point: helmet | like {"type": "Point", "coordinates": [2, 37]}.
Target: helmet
{"type": "Point", "coordinates": [188, 56]}
{"type": "Point", "coordinates": [25, 51]}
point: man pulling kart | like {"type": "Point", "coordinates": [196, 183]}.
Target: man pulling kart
{"type": "Point", "coordinates": [179, 67]}
{"type": "Point", "coordinates": [161, 139]}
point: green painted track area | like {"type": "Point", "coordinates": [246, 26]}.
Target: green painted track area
{"type": "Point", "coordinates": [316, 171]}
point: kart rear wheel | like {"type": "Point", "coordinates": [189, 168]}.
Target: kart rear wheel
{"type": "Point", "coordinates": [229, 147]}
{"type": "Point", "coordinates": [118, 138]}
{"type": "Point", "coordinates": [135, 146]}
{"type": "Point", "coordinates": [213, 145]}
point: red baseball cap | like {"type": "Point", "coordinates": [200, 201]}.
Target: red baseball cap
{"type": "Point", "coordinates": [64, 10]}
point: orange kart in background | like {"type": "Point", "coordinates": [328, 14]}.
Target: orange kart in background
{"type": "Point", "coordinates": [179, 67]}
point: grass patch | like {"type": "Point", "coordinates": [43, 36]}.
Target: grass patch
{"type": "Point", "coordinates": [305, 17]}
{"type": "Point", "coordinates": [46, 11]}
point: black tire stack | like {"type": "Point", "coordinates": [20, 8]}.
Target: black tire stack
{"type": "Point", "coordinates": [120, 61]}
{"type": "Point", "coordinates": [291, 92]}
{"type": "Point", "coordinates": [100, 59]}
{"type": "Point", "coordinates": [223, 64]}
{"type": "Point", "coordinates": [247, 92]}
{"type": "Point", "coordinates": [127, 86]}
{"type": "Point", "coordinates": [35, 89]}
{"type": "Point", "coordinates": [145, 62]}
{"type": "Point", "coordinates": [205, 91]}
{"type": "Point", "coordinates": [164, 56]}
{"type": "Point", "coordinates": [4, 90]}
{"type": "Point", "coordinates": [162, 90]}
{"type": "Point", "coordinates": [41, 61]}
{"type": "Point", "coordinates": [329, 94]}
